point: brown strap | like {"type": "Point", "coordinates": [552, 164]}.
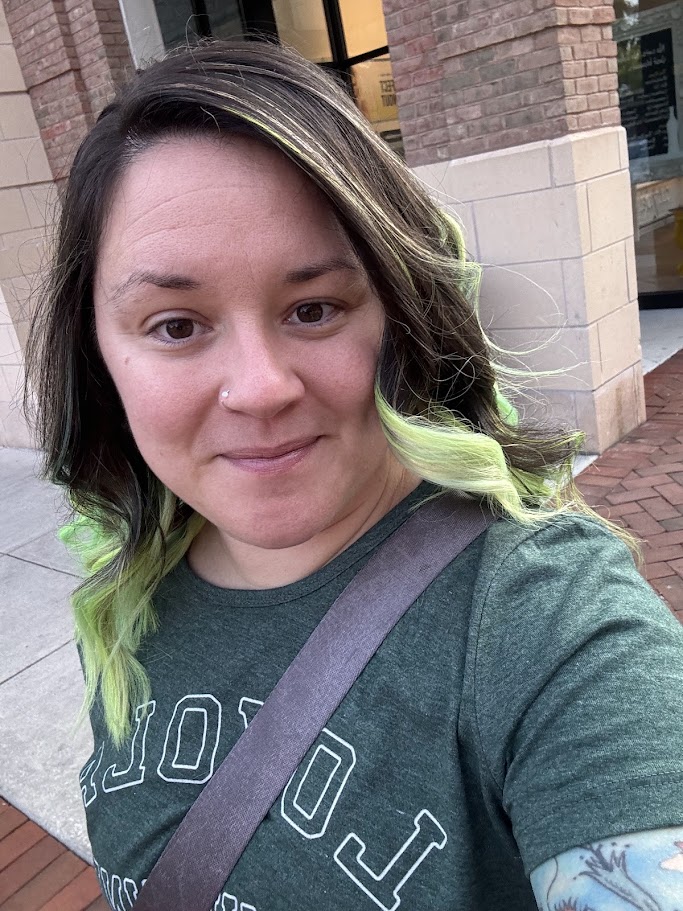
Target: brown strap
{"type": "Point", "coordinates": [207, 844]}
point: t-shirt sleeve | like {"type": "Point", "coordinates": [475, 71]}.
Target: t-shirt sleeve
{"type": "Point", "coordinates": [578, 691]}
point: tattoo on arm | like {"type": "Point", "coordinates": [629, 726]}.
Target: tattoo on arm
{"type": "Point", "coordinates": [643, 871]}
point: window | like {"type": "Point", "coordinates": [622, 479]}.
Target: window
{"type": "Point", "coordinates": [649, 36]}
{"type": "Point", "coordinates": [348, 36]}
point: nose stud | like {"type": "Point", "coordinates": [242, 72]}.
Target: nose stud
{"type": "Point", "coordinates": [223, 396]}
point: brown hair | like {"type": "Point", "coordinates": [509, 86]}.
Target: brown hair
{"type": "Point", "coordinates": [435, 372]}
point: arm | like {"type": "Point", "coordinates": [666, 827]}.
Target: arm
{"type": "Point", "coordinates": [643, 871]}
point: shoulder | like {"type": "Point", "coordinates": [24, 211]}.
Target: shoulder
{"type": "Point", "coordinates": [559, 561]}
{"type": "Point", "coordinates": [571, 534]}
{"type": "Point", "coordinates": [574, 685]}
{"type": "Point", "coordinates": [564, 603]}
{"type": "Point", "coordinates": [570, 570]}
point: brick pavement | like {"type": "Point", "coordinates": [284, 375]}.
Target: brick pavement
{"type": "Point", "coordinates": [37, 873]}
{"type": "Point", "coordinates": [638, 482]}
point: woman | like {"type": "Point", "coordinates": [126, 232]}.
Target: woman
{"type": "Point", "coordinates": [258, 356]}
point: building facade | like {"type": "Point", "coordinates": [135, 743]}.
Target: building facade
{"type": "Point", "coordinates": [553, 129]}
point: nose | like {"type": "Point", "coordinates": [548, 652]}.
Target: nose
{"type": "Point", "coordinates": [261, 377]}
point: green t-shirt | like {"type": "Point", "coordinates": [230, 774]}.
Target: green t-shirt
{"type": "Point", "coordinates": [530, 701]}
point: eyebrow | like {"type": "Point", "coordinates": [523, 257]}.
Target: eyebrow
{"type": "Point", "coordinates": [174, 282]}
{"type": "Point", "coordinates": [316, 270]}
{"type": "Point", "coordinates": [160, 279]}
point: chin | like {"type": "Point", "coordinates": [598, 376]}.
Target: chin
{"type": "Point", "coordinates": [275, 530]}
{"type": "Point", "coordinates": [277, 538]}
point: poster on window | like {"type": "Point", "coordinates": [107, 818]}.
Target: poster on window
{"type": "Point", "coordinates": [647, 95]}
{"type": "Point", "coordinates": [373, 84]}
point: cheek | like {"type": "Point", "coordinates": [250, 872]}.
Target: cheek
{"type": "Point", "coordinates": [345, 382]}
{"type": "Point", "coordinates": [160, 405]}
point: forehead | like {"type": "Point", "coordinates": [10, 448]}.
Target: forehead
{"type": "Point", "coordinates": [211, 201]}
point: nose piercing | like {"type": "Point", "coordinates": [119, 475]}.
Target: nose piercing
{"type": "Point", "coordinates": [224, 395]}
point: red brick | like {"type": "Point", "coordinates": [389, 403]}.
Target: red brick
{"type": "Point", "coordinates": [610, 116]}
{"type": "Point", "coordinates": [626, 509]}
{"type": "Point", "coordinates": [644, 525]}
{"type": "Point", "coordinates": [574, 69]}
{"type": "Point", "coordinates": [592, 33]}
{"type": "Point", "coordinates": [587, 51]}
{"type": "Point", "coordinates": [659, 508]}
{"type": "Point", "coordinates": [630, 496]}
{"type": "Point", "coordinates": [608, 82]}
{"type": "Point", "coordinates": [598, 101]}
{"type": "Point", "coordinates": [618, 466]}
{"type": "Point", "coordinates": [621, 455]}
{"type": "Point", "coordinates": [28, 864]}
{"type": "Point", "coordinates": [36, 893]}
{"type": "Point", "coordinates": [43, 34]}
{"type": "Point", "coordinates": [662, 458]}
{"type": "Point", "coordinates": [658, 571]}
{"type": "Point", "coordinates": [673, 493]}
{"type": "Point", "coordinates": [11, 819]}
{"type": "Point", "coordinates": [579, 16]}
{"type": "Point", "coordinates": [525, 36]}
{"type": "Point", "coordinates": [639, 481]}
{"type": "Point", "coordinates": [607, 48]}
{"type": "Point", "coordinates": [17, 842]}
{"type": "Point", "coordinates": [599, 480]}
{"type": "Point", "coordinates": [587, 85]}
{"type": "Point", "coordinates": [669, 538]}
{"type": "Point", "coordinates": [596, 67]}
{"type": "Point", "coordinates": [78, 895]}
{"type": "Point", "coordinates": [604, 14]}
{"type": "Point", "coordinates": [671, 589]}
{"type": "Point", "coordinates": [658, 553]}
{"type": "Point", "coordinates": [605, 468]}
{"type": "Point", "coordinates": [589, 120]}
{"type": "Point", "coordinates": [656, 470]}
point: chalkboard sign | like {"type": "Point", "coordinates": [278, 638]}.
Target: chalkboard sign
{"type": "Point", "coordinates": [647, 90]}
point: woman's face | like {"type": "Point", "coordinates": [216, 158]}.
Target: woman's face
{"type": "Point", "coordinates": [221, 269]}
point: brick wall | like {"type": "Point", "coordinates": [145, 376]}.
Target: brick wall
{"type": "Point", "coordinates": [473, 76]}
{"type": "Point", "coordinates": [72, 53]}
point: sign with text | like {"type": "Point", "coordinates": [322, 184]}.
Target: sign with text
{"type": "Point", "coordinates": [647, 92]}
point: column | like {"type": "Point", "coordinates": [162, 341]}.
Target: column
{"type": "Point", "coordinates": [510, 114]}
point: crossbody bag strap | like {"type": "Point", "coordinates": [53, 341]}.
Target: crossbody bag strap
{"type": "Point", "coordinates": [207, 844]}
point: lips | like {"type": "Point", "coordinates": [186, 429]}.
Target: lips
{"type": "Point", "coordinates": [272, 459]}
{"type": "Point", "coordinates": [270, 452]}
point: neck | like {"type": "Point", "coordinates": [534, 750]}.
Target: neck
{"type": "Point", "coordinates": [230, 563]}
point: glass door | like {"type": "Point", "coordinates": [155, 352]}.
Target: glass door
{"type": "Point", "coordinates": [348, 36]}
{"type": "Point", "coordinates": [369, 66]}
{"type": "Point", "coordinates": [649, 36]}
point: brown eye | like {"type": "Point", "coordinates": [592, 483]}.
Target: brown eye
{"type": "Point", "coordinates": [310, 313]}
{"type": "Point", "coordinates": [179, 328]}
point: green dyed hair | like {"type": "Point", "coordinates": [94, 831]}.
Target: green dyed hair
{"type": "Point", "coordinates": [436, 386]}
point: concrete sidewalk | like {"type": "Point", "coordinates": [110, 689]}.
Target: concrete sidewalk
{"type": "Point", "coordinates": [638, 482]}
{"type": "Point", "coordinates": [40, 677]}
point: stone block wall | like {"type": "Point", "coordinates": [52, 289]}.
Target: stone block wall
{"type": "Point", "coordinates": [26, 200]}
{"type": "Point", "coordinates": [551, 224]}
{"type": "Point", "coordinates": [59, 63]}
